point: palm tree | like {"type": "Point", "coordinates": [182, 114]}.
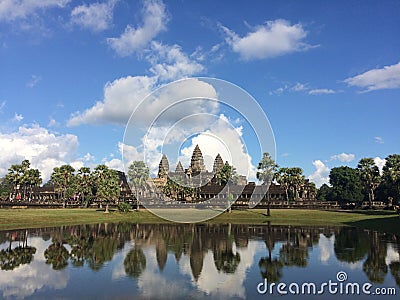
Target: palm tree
{"type": "Point", "coordinates": [107, 184]}
{"type": "Point", "coordinates": [33, 179]}
{"type": "Point", "coordinates": [266, 172]}
{"type": "Point", "coordinates": [14, 176]}
{"type": "Point", "coordinates": [282, 177]}
{"type": "Point", "coordinates": [138, 174]}
{"type": "Point", "coordinates": [84, 183]}
{"type": "Point", "coordinates": [62, 178]}
{"type": "Point", "coordinates": [227, 175]}
{"type": "Point", "coordinates": [370, 177]}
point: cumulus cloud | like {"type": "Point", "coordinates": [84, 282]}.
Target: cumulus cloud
{"type": "Point", "coordinates": [120, 99]}
{"type": "Point", "coordinates": [44, 149]}
{"type": "Point", "coordinates": [226, 140]}
{"type": "Point", "coordinates": [11, 10]}
{"type": "Point", "coordinates": [321, 91]}
{"type": "Point", "coordinates": [272, 39]}
{"type": "Point", "coordinates": [95, 16]}
{"type": "Point", "coordinates": [170, 63]}
{"type": "Point", "coordinates": [387, 77]}
{"type": "Point", "coordinates": [321, 173]}
{"type": "Point", "coordinates": [380, 162]}
{"type": "Point", "coordinates": [343, 157]}
{"type": "Point", "coordinates": [136, 39]}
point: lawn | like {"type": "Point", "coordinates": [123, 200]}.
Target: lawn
{"type": "Point", "coordinates": [28, 218]}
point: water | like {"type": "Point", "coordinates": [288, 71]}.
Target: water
{"type": "Point", "coordinates": [129, 261]}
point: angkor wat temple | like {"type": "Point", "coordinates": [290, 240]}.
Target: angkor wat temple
{"type": "Point", "coordinates": [208, 188]}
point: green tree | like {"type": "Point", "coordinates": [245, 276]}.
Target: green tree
{"type": "Point", "coordinates": [62, 177]}
{"type": "Point", "coordinates": [324, 193]}
{"type": "Point", "coordinates": [138, 174]}
{"type": "Point", "coordinates": [33, 179]}
{"type": "Point", "coordinates": [135, 262]}
{"type": "Point", "coordinates": [391, 174]}
{"type": "Point", "coordinates": [226, 176]}
{"type": "Point", "coordinates": [282, 178]}
{"type": "Point", "coordinates": [370, 177]}
{"type": "Point", "coordinates": [296, 180]}
{"type": "Point", "coordinates": [346, 184]}
{"type": "Point", "coordinates": [15, 176]}
{"type": "Point", "coordinates": [267, 169]}
{"type": "Point", "coordinates": [84, 185]}
{"type": "Point", "coordinates": [107, 184]}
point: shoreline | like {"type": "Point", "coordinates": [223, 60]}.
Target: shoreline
{"type": "Point", "coordinates": [384, 221]}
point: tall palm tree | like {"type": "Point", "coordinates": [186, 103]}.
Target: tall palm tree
{"type": "Point", "coordinates": [370, 177]}
{"type": "Point", "coordinates": [33, 179]}
{"type": "Point", "coordinates": [14, 176]}
{"type": "Point", "coordinates": [138, 174]}
{"type": "Point", "coordinates": [62, 177]}
{"type": "Point", "coordinates": [266, 172]}
{"type": "Point", "coordinates": [84, 183]}
{"type": "Point", "coordinates": [282, 177]}
{"type": "Point", "coordinates": [107, 183]}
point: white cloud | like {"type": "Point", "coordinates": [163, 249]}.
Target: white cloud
{"type": "Point", "coordinates": [387, 77]}
{"type": "Point", "coordinates": [379, 140]}
{"type": "Point", "coordinates": [222, 138]}
{"type": "Point", "coordinates": [170, 63]}
{"type": "Point", "coordinates": [272, 39]}
{"type": "Point", "coordinates": [52, 122]}
{"type": "Point", "coordinates": [321, 91]}
{"type": "Point", "coordinates": [18, 117]}
{"type": "Point", "coordinates": [136, 39]}
{"type": "Point", "coordinates": [33, 81]}
{"type": "Point", "coordinates": [11, 10]}
{"type": "Point", "coordinates": [380, 162]}
{"type": "Point", "coordinates": [343, 157]}
{"type": "Point", "coordinates": [120, 99]}
{"type": "Point", "coordinates": [44, 149]}
{"type": "Point", "coordinates": [321, 174]}
{"type": "Point", "coordinates": [95, 16]}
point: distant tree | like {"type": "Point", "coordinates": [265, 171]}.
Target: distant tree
{"type": "Point", "coordinates": [33, 179]}
{"type": "Point", "coordinates": [6, 188]}
{"type": "Point", "coordinates": [62, 177]}
{"type": "Point", "coordinates": [324, 193]}
{"type": "Point", "coordinates": [226, 176]}
{"type": "Point", "coordinates": [84, 184]}
{"type": "Point", "coordinates": [282, 178]}
{"type": "Point", "coordinates": [138, 174]}
{"type": "Point", "coordinates": [267, 169]}
{"type": "Point", "coordinates": [107, 184]}
{"type": "Point", "coordinates": [370, 177]}
{"type": "Point", "coordinates": [391, 174]}
{"type": "Point", "coordinates": [346, 184]}
{"type": "Point", "coordinates": [296, 180]}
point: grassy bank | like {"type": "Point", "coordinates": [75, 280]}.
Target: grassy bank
{"type": "Point", "coordinates": [29, 218]}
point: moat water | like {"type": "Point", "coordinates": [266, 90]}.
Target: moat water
{"type": "Point", "coordinates": [129, 261]}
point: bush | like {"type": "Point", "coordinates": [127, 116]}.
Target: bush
{"type": "Point", "coordinates": [124, 207]}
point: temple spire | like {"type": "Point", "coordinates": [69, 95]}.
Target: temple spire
{"type": "Point", "coordinates": [197, 161]}
{"type": "Point", "coordinates": [163, 167]}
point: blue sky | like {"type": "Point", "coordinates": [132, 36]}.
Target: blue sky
{"type": "Point", "coordinates": [326, 74]}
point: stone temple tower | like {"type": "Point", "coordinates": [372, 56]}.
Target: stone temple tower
{"type": "Point", "coordinates": [163, 167]}
{"type": "Point", "coordinates": [197, 161]}
{"type": "Point", "coordinates": [218, 163]}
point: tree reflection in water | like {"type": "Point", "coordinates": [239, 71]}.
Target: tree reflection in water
{"type": "Point", "coordinates": [94, 245]}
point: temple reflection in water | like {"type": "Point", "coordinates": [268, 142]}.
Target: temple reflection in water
{"type": "Point", "coordinates": [216, 260]}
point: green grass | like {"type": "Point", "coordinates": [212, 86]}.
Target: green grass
{"type": "Point", "coordinates": [28, 218]}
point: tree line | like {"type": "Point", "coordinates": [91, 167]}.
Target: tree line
{"type": "Point", "coordinates": [364, 183]}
